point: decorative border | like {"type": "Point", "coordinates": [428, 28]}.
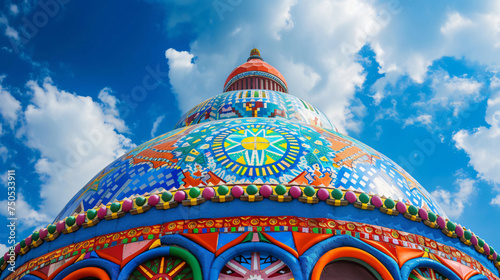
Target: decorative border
{"type": "Point", "coordinates": [280, 193]}
{"type": "Point", "coordinates": [248, 224]}
{"type": "Point", "coordinates": [256, 73]}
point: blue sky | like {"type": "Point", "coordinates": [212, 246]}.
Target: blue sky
{"type": "Point", "coordinates": [415, 80]}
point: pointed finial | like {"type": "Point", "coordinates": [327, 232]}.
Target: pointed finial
{"type": "Point", "coordinates": [255, 54]}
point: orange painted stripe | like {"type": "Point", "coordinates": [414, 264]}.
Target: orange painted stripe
{"type": "Point", "coordinates": [350, 252]}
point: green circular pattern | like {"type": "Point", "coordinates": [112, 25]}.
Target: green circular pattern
{"type": "Point", "coordinates": [194, 192]}
{"type": "Point", "coordinates": [91, 214]}
{"type": "Point", "coordinates": [252, 189]}
{"type": "Point", "coordinates": [480, 242]}
{"type": "Point", "coordinates": [412, 210]}
{"type": "Point", "coordinates": [70, 221]}
{"type": "Point", "coordinates": [51, 228]}
{"type": "Point", "coordinates": [140, 201]}
{"type": "Point", "coordinates": [337, 194]}
{"type": "Point", "coordinates": [364, 198]}
{"type": "Point", "coordinates": [166, 196]}
{"type": "Point", "coordinates": [467, 235]}
{"type": "Point", "coordinates": [309, 191]}
{"type": "Point", "coordinates": [115, 207]}
{"type": "Point", "coordinates": [432, 217]}
{"type": "Point", "coordinates": [280, 190]}
{"type": "Point", "coordinates": [222, 190]}
{"type": "Point", "coordinates": [450, 226]}
{"type": "Point", "coordinates": [389, 203]}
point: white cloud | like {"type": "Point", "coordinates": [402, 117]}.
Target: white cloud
{"type": "Point", "coordinates": [4, 153]}
{"type": "Point", "coordinates": [26, 216]}
{"type": "Point", "coordinates": [453, 203]}
{"type": "Point", "coordinates": [111, 114]}
{"type": "Point", "coordinates": [9, 107]}
{"type": "Point", "coordinates": [12, 33]}
{"type": "Point", "coordinates": [422, 120]}
{"type": "Point", "coordinates": [440, 104]}
{"type": "Point", "coordinates": [454, 23]}
{"type": "Point", "coordinates": [454, 92]}
{"type": "Point", "coordinates": [14, 9]}
{"type": "Point", "coordinates": [9, 30]}
{"type": "Point", "coordinates": [156, 124]}
{"type": "Point", "coordinates": [75, 136]}
{"type": "Point", "coordinates": [482, 144]}
{"type": "Point", "coordinates": [313, 44]}
{"type": "Point", "coordinates": [496, 200]}
{"type": "Point", "coordinates": [3, 249]}
{"type": "Point", "coordinates": [417, 36]}
{"type": "Point", "coordinates": [179, 61]}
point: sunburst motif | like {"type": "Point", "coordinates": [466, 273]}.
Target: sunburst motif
{"type": "Point", "coordinates": [256, 150]}
{"type": "Point", "coordinates": [255, 147]}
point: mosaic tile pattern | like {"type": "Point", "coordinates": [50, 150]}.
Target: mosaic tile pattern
{"type": "Point", "coordinates": [250, 151]}
{"type": "Point", "coordinates": [255, 103]}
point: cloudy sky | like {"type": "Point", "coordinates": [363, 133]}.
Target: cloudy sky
{"type": "Point", "coordinates": [82, 83]}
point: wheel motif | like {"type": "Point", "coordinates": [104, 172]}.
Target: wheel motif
{"type": "Point", "coordinates": [256, 149]}
{"type": "Point", "coordinates": [425, 273]}
{"type": "Point", "coordinates": [255, 266]}
{"type": "Point", "coordinates": [163, 268]}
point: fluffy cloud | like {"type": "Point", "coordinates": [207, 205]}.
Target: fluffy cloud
{"type": "Point", "coordinates": [481, 144]}
{"type": "Point", "coordinates": [454, 92]}
{"type": "Point", "coordinates": [437, 104]}
{"type": "Point", "coordinates": [4, 153]}
{"type": "Point", "coordinates": [156, 124]}
{"type": "Point", "coordinates": [14, 9]}
{"type": "Point", "coordinates": [9, 107]}
{"type": "Point", "coordinates": [75, 137]}
{"type": "Point", "coordinates": [496, 200]}
{"type": "Point", "coordinates": [27, 217]}
{"type": "Point", "coordinates": [422, 120]}
{"type": "Point", "coordinates": [9, 31]}
{"type": "Point", "coordinates": [453, 203]}
{"type": "Point", "coordinates": [3, 249]}
{"type": "Point", "coordinates": [313, 44]}
{"type": "Point", "coordinates": [410, 42]}
{"type": "Point", "coordinates": [455, 22]}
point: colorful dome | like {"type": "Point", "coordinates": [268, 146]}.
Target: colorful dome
{"type": "Point", "coordinates": [268, 76]}
{"type": "Point", "coordinates": [250, 151]}
{"type": "Point", "coordinates": [255, 103]}
{"type": "Point", "coordinates": [253, 184]}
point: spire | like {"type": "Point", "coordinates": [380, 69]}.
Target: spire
{"type": "Point", "coordinates": [255, 74]}
{"type": "Point", "coordinates": [255, 54]}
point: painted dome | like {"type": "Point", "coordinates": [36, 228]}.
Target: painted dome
{"type": "Point", "coordinates": [255, 74]}
{"type": "Point", "coordinates": [252, 184]}
{"type": "Point", "coordinates": [250, 151]}
{"type": "Point", "coordinates": [255, 103]}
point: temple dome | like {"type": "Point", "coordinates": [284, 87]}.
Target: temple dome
{"type": "Point", "coordinates": [251, 136]}
{"type": "Point", "coordinates": [250, 151]}
{"type": "Point", "coordinates": [254, 164]}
